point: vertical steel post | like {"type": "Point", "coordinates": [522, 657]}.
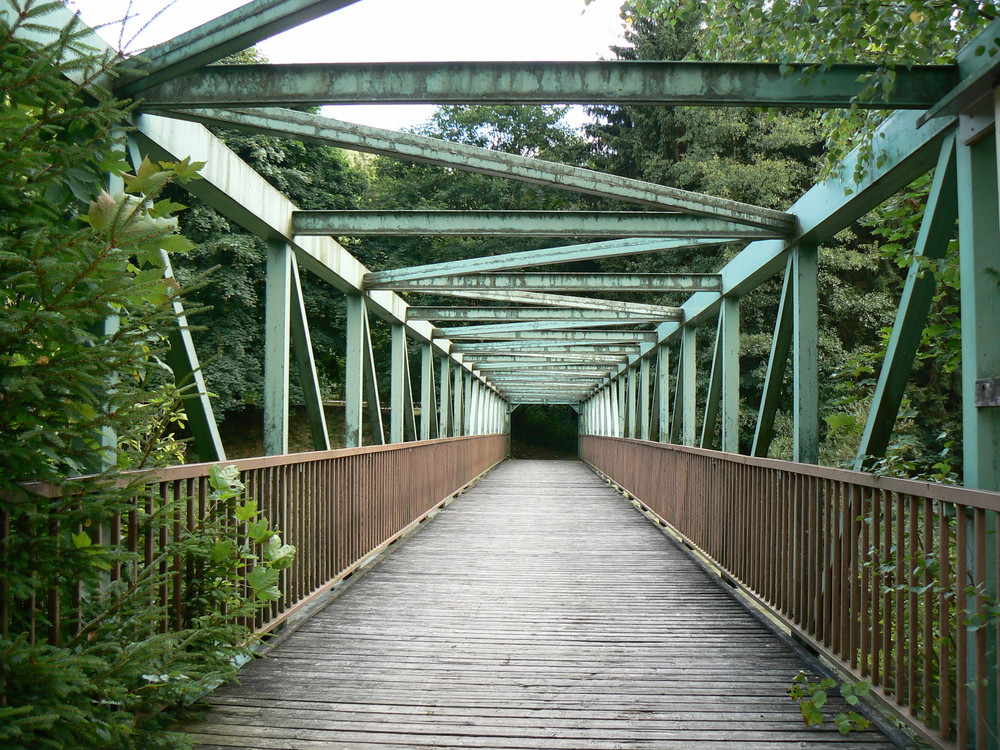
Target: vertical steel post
{"type": "Point", "coordinates": [373, 403]}
{"type": "Point", "coordinates": [354, 374]}
{"type": "Point", "coordinates": [306, 363]}
{"type": "Point", "coordinates": [397, 388]}
{"type": "Point", "coordinates": [644, 398]}
{"type": "Point", "coordinates": [458, 422]}
{"type": "Point", "coordinates": [688, 388]}
{"type": "Point", "coordinates": [277, 346]}
{"type": "Point", "coordinates": [633, 414]}
{"type": "Point", "coordinates": [805, 339]}
{"type": "Point", "coordinates": [467, 403]}
{"type": "Point", "coordinates": [777, 363]}
{"type": "Point", "coordinates": [979, 245]}
{"type": "Point", "coordinates": [445, 408]}
{"type": "Point", "coordinates": [663, 389]}
{"type": "Point", "coordinates": [622, 404]}
{"type": "Point", "coordinates": [730, 341]}
{"type": "Point", "coordinates": [426, 389]}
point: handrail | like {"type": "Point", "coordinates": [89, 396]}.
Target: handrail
{"type": "Point", "coordinates": [336, 507]}
{"type": "Point", "coordinates": [883, 576]}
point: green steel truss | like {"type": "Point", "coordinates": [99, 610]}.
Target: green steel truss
{"type": "Point", "coordinates": [535, 346]}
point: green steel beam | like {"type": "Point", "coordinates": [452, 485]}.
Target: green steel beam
{"type": "Point", "coordinates": [229, 33]}
{"type": "Point", "coordinates": [663, 393]}
{"type": "Point", "coordinates": [182, 359]}
{"type": "Point", "coordinates": [546, 256]}
{"type": "Point", "coordinates": [458, 420]}
{"type": "Point", "coordinates": [710, 418]}
{"type": "Point", "coordinates": [277, 347]}
{"type": "Point", "coordinates": [467, 404]}
{"type": "Point", "coordinates": [311, 128]}
{"type": "Point", "coordinates": [372, 404]}
{"type": "Point", "coordinates": [444, 408]}
{"type": "Point", "coordinates": [442, 223]}
{"type": "Point", "coordinates": [729, 334]}
{"type": "Point", "coordinates": [397, 384]}
{"type": "Point", "coordinates": [805, 343]}
{"type": "Point", "coordinates": [980, 301]}
{"type": "Point", "coordinates": [515, 314]}
{"type": "Point", "coordinates": [524, 348]}
{"type": "Point", "coordinates": [777, 364]}
{"type": "Point", "coordinates": [978, 73]}
{"type": "Point", "coordinates": [546, 366]}
{"type": "Point", "coordinates": [503, 375]}
{"type": "Point", "coordinates": [560, 336]}
{"type": "Point", "coordinates": [308, 375]}
{"type": "Point", "coordinates": [427, 394]}
{"type": "Point", "coordinates": [631, 400]}
{"type": "Point", "coordinates": [538, 325]}
{"type": "Point", "coordinates": [539, 359]}
{"type": "Point", "coordinates": [688, 390]}
{"type": "Point", "coordinates": [663, 83]}
{"type": "Point", "coordinates": [643, 400]}
{"type": "Point", "coordinates": [563, 300]}
{"type": "Point", "coordinates": [354, 370]}
{"type": "Point", "coordinates": [564, 282]}
{"type": "Point", "coordinates": [936, 230]}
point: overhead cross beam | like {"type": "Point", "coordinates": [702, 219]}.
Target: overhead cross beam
{"type": "Point", "coordinates": [552, 314]}
{"type": "Point", "coordinates": [557, 345]}
{"type": "Point", "coordinates": [564, 282]}
{"type": "Point", "coordinates": [544, 256]}
{"type": "Point", "coordinates": [561, 336]}
{"type": "Point", "coordinates": [565, 300]}
{"type": "Point", "coordinates": [607, 82]}
{"type": "Point", "coordinates": [229, 33]}
{"type": "Point", "coordinates": [519, 223]}
{"type": "Point", "coordinates": [536, 325]}
{"type": "Point", "coordinates": [311, 128]}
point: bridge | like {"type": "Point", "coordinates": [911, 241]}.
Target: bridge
{"type": "Point", "coordinates": [440, 597]}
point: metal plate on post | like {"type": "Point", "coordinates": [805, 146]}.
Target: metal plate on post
{"type": "Point", "coordinates": [988, 392]}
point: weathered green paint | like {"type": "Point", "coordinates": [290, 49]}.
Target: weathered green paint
{"type": "Point", "coordinates": [777, 363]}
{"type": "Point", "coordinates": [710, 418]}
{"type": "Point", "coordinates": [643, 401]}
{"type": "Point", "coordinates": [427, 394]}
{"type": "Point", "coordinates": [978, 73]}
{"type": "Point", "coordinates": [559, 336]}
{"type": "Point", "coordinates": [729, 336]}
{"type": "Point", "coordinates": [549, 368]}
{"type": "Point", "coordinates": [805, 342]}
{"type": "Point", "coordinates": [372, 404]}
{"type": "Point", "coordinates": [936, 230]}
{"type": "Point", "coordinates": [564, 282]}
{"type": "Point", "coordinates": [527, 314]}
{"type": "Point", "coordinates": [229, 33]}
{"type": "Point", "coordinates": [277, 347]}
{"type": "Point", "coordinates": [556, 344]}
{"type": "Point", "coordinates": [688, 374]}
{"type": "Point", "coordinates": [308, 376]}
{"type": "Point", "coordinates": [458, 418]}
{"type": "Point", "coordinates": [606, 82]}
{"type": "Point", "coordinates": [544, 358]}
{"type": "Point", "coordinates": [354, 370]}
{"type": "Point", "coordinates": [518, 223]}
{"type": "Point", "coordinates": [565, 300]}
{"type": "Point", "coordinates": [979, 261]}
{"type": "Point", "coordinates": [543, 257]}
{"type": "Point", "coordinates": [539, 325]}
{"type": "Point", "coordinates": [397, 382]}
{"type": "Point", "coordinates": [444, 408]}
{"type": "Point", "coordinates": [467, 404]}
{"type": "Point", "coordinates": [310, 128]}
{"type": "Point", "coordinates": [663, 393]}
{"type": "Point", "coordinates": [621, 406]}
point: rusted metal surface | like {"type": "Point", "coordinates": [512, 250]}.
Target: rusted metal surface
{"type": "Point", "coordinates": [879, 574]}
{"type": "Point", "coordinates": [337, 507]}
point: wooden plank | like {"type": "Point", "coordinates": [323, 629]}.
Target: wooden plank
{"type": "Point", "coordinates": [540, 611]}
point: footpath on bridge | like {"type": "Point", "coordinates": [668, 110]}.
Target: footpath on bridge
{"type": "Point", "coordinates": [539, 610]}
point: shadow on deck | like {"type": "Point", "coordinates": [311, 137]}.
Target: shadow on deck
{"type": "Point", "coordinates": [539, 611]}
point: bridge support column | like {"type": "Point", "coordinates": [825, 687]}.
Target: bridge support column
{"type": "Point", "coordinates": [687, 388]}
{"type": "Point", "coordinates": [663, 393]}
{"type": "Point", "coordinates": [467, 404]}
{"type": "Point", "coordinates": [632, 418]}
{"type": "Point", "coordinates": [621, 404]}
{"type": "Point", "coordinates": [402, 423]}
{"type": "Point", "coordinates": [730, 343]}
{"type": "Point", "coordinates": [445, 407]}
{"type": "Point", "coordinates": [427, 396]}
{"type": "Point", "coordinates": [277, 346]}
{"type": "Point", "coordinates": [979, 242]}
{"type": "Point", "coordinates": [458, 422]}
{"type": "Point", "coordinates": [644, 398]}
{"type": "Point", "coordinates": [805, 335]}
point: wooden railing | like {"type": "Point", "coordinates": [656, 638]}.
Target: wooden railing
{"type": "Point", "coordinates": [337, 507]}
{"type": "Point", "coordinates": [889, 578]}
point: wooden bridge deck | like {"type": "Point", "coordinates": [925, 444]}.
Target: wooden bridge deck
{"type": "Point", "coordinates": [538, 611]}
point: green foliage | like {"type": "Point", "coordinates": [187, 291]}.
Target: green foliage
{"type": "Point", "coordinates": [890, 35]}
{"type": "Point", "coordinates": [86, 314]}
{"type": "Point", "coordinates": [812, 696]}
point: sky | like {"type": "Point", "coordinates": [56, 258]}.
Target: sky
{"type": "Point", "coordinates": [391, 31]}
